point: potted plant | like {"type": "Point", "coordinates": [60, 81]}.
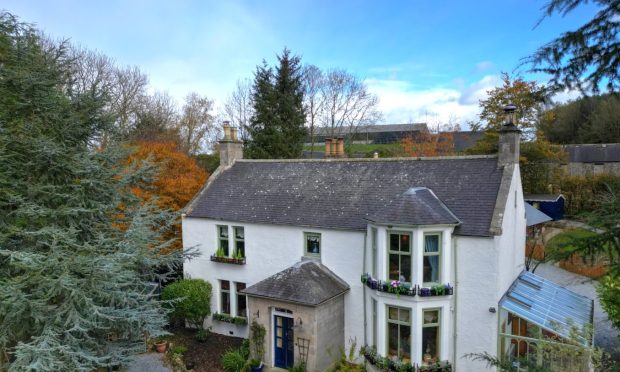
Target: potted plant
{"type": "Point", "coordinates": [256, 365]}
{"type": "Point", "coordinates": [425, 292]}
{"type": "Point", "coordinates": [160, 345]}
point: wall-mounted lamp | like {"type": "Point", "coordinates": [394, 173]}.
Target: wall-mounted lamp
{"type": "Point", "coordinates": [257, 314]}
{"type": "Point", "coordinates": [492, 310]}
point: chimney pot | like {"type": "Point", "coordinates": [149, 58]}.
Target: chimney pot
{"type": "Point", "coordinates": [227, 131]}
{"type": "Point", "coordinates": [233, 134]}
{"type": "Point", "coordinates": [328, 147]}
{"type": "Point", "coordinates": [340, 149]}
{"type": "Point", "coordinates": [231, 149]}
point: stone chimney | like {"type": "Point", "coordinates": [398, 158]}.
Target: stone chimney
{"type": "Point", "coordinates": [509, 138]}
{"type": "Point", "coordinates": [231, 148]}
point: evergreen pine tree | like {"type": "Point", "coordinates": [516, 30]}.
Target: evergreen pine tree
{"type": "Point", "coordinates": [277, 126]}
{"type": "Point", "coordinates": [78, 251]}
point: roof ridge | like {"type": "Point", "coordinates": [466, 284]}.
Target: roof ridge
{"type": "Point", "coordinates": [421, 158]}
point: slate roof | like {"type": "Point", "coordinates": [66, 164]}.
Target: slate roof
{"type": "Point", "coordinates": [593, 153]}
{"type": "Point", "coordinates": [343, 193]}
{"type": "Point", "coordinates": [466, 139]}
{"type": "Point", "coordinates": [307, 283]}
{"type": "Point", "coordinates": [543, 197]}
{"type": "Point", "coordinates": [416, 206]}
{"type": "Point", "coordinates": [533, 216]}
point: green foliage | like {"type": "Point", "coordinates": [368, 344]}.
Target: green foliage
{"type": "Point", "coordinates": [584, 58]}
{"type": "Point", "coordinates": [190, 300]}
{"type": "Point", "coordinates": [346, 360]}
{"type": "Point", "coordinates": [244, 349]}
{"type": "Point", "coordinates": [179, 349]}
{"type": "Point", "coordinates": [299, 367]}
{"type": "Point", "coordinates": [585, 120]}
{"type": "Point", "coordinates": [202, 335]}
{"type": "Point", "coordinates": [277, 125]}
{"type": "Point", "coordinates": [239, 320]}
{"type": "Point", "coordinates": [79, 253]}
{"type": "Point", "coordinates": [233, 361]}
{"type": "Point", "coordinates": [209, 162]}
{"type": "Point", "coordinates": [257, 340]}
{"type": "Point", "coordinates": [608, 292]}
{"type": "Point", "coordinates": [585, 193]}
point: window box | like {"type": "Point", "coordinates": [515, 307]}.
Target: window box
{"type": "Point", "coordinates": [229, 260]}
{"type": "Point", "coordinates": [238, 320]}
{"type": "Point", "coordinates": [437, 290]}
{"type": "Point", "coordinates": [393, 286]}
{"type": "Point", "coordinates": [391, 364]}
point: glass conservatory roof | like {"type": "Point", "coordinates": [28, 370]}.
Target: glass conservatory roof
{"type": "Point", "coordinates": [547, 304]}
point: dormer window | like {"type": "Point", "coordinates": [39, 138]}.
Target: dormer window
{"type": "Point", "coordinates": [399, 261]}
{"type": "Point", "coordinates": [432, 258]}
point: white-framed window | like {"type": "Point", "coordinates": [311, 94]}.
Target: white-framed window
{"type": "Point", "coordinates": [239, 241]}
{"type": "Point", "coordinates": [431, 268]}
{"type": "Point", "coordinates": [312, 244]}
{"type": "Point", "coordinates": [242, 302]}
{"type": "Point", "coordinates": [373, 236]}
{"type": "Point", "coordinates": [399, 256]}
{"type": "Point", "coordinates": [225, 297]}
{"type": "Point", "coordinates": [399, 333]}
{"type": "Point", "coordinates": [222, 239]}
{"type": "Point", "coordinates": [431, 333]}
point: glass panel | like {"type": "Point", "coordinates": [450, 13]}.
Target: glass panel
{"type": "Point", "coordinates": [313, 243]}
{"type": "Point", "coordinates": [430, 338]}
{"type": "Point", "coordinates": [279, 342]}
{"type": "Point", "coordinates": [431, 243]}
{"type": "Point", "coordinates": [394, 242]}
{"type": "Point", "coordinates": [240, 286]}
{"type": "Point", "coordinates": [532, 330]}
{"type": "Point", "coordinates": [394, 271]}
{"type": "Point", "coordinates": [392, 339]}
{"type": "Point", "coordinates": [393, 313]}
{"type": "Point", "coordinates": [431, 316]}
{"type": "Point", "coordinates": [405, 343]}
{"type": "Point", "coordinates": [225, 284]}
{"type": "Point", "coordinates": [279, 332]}
{"type": "Point", "coordinates": [223, 231]}
{"type": "Point", "coordinates": [242, 309]}
{"type": "Point", "coordinates": [239, 233]}
{"type": "Point", "coordinates": [431, 269]}
{"type": "Point", "coordinates": [240, 247]}
{"type": "Point", "coordinates": [404, 243]}
{"type": "Point", "coordinates": [405, 268]}
{"type": "Point", "coordinates": [224, 244]}
{"type": "Point", "coordinates": [279, 321]}
{"type": "Point", "coordinates": [404, 315]}
{"type": "Point", "coordinates": [225, 303]}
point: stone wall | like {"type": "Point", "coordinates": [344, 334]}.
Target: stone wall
{"type": "Point", "coordinates": [585, 169]}
{"type": "Point", "coordinates": [330, 332]}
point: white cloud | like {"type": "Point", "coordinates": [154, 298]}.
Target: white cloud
{"type": "Point", "coordinates": [401, 102]}
{"type": "Point", "coordinates": [484, 66]}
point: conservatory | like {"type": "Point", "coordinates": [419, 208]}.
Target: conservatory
{"type": "Point", "coordinates": [543, 324]}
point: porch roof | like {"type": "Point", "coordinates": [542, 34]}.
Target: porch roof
{"type": "Point", "coordinates": [548, 305]}
{"type": "Point", "coordinates": [534, 216]}
{"type": "Point", "coordinates": [307, 282]}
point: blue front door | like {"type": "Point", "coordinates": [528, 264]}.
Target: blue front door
{"type": "Point", "coordinates": [283, 341]}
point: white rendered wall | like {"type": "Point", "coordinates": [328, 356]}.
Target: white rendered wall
{"type": "Point", "coordinates": [270, 249]}
{"type": "Point", "coordinates": [486, 267]}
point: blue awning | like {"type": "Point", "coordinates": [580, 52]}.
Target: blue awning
{"type": "Point", "coordinates": [533, 216]}
{"type": "Point", "coordinates": [548, 305]}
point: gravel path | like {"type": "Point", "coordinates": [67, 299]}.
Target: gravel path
{"type": "Point", "coordinates": [150, 362]}
{"type": "Point", "coordinates": [605, 336]}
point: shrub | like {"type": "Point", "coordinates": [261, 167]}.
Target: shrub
{"type": "Point", "coordinates": [233, 361]}
{"type": "Point", "coordinates": [180, 349]}
{"type": "Point", "coordinates": [190, 300]}
{"type": "Point", "coordinates": [257, 340]}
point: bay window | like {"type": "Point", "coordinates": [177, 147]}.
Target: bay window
{"type": "Point", "coordinates": [399, 256]}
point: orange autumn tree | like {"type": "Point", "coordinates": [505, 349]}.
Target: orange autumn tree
{"type": "Point", "coordinates": [177, 180]}
{"type": "Point", "coordinates": [428, 144]}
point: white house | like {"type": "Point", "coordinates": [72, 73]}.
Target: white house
{"type": "Point", "coordinates": [411, 257]}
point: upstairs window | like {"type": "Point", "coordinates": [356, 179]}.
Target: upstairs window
{"type": "Point", "coordinates": [222, 236]}
{"type": "Point", "coordinates": [312, 244]}
{"type": "Point", "coordinates": [399, 260]}
{"type": "Point", "coordinates": [239, 238]}
{"type": "Point", "coordinates": [432, 258]}
{"type": "Point", "coordinates": [374, 251]}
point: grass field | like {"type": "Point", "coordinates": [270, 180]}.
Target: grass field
{"type": "Point", "coordinates": [359, 147]}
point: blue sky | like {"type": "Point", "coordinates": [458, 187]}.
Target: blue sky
{"type": "Point", "coordinates": [427, 60]}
